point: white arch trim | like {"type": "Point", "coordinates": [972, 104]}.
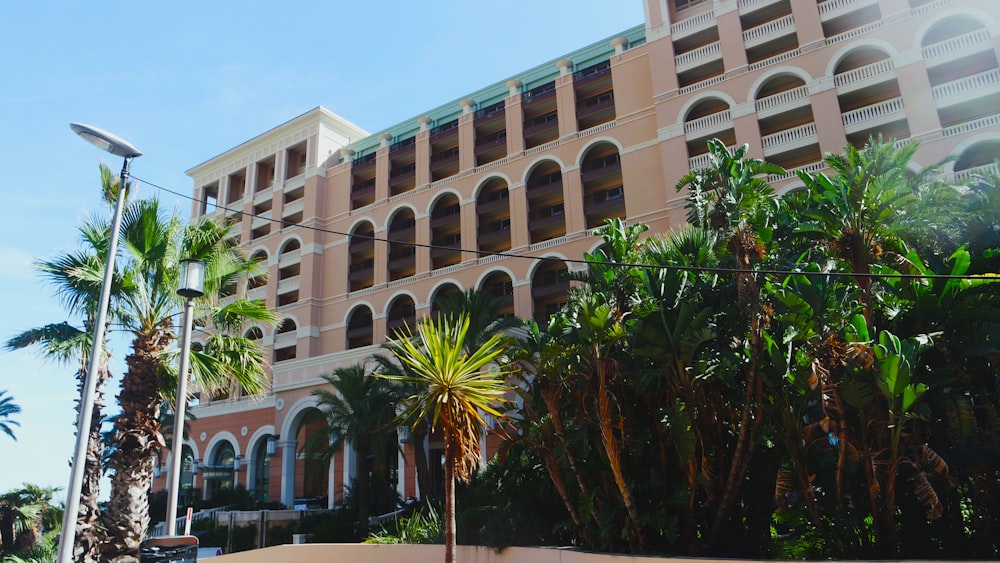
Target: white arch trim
{"type": "Point", "coordinates": [983, 17]}
{"type": "Point", "coordinates": [295, 413]}
{"type": "Point", "coordinates": [967, 144]}
{"type": "Point", "coordinates": [394, 296]}
{"type": "Point", "coordinates": [355, 306]}
{"type": "Point", "coordinates": [442, 283]}
{"type": "Point", "coordinates": [884, 46]}
{"type": "Point", "coordinates": [360, 220]}
{"type": "Point", "coordinates": [538, 160]}
{"type": "Point", "coordinates": [491, 271]}
{"type": "Point", "coordinates": [396, 210]}
{"type": "Point", "coordinates": [437, 197]}
{"type": "Point", "coordinates": [222, 436]}
{"type": "Point", "coordinates": [542, 260]}
{"type": "Point", "coordinates": [285, 241]}
{"type": "Point", "coordinates": [710, 95]}
{"type": "Point", "coordinates": [191, 444]}
{"type": "Point", "coordinates": [291, 317]}
{"type": "Point", "coordinates": [598, 140]}
{"type": "Point", "coordinates": [492, 176]}
{"type": "Point", "coordinates": [779, 71]}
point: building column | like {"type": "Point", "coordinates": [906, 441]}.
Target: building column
{"type": "Point", "coordinates": [565, 99]}
{"type": "Point", "coordinates": [288, 448]}
{"type": "Point", "coordinates": [467, 136]}
{"type": "Point", "coordinates": [469, 230]}
{"type": "Point", "coordinates": [518, 202]}
{"type": "Point", "coordinates": [572, 185]}
{"type": "Point", "coordinates": [514, 118]}
{"type": "Point", "coordinates": [808, 26]}
{"type": "Point", "coordinates": [330, 482]}
{"type": "Point", "coordinates": [921, 109]}
{"type": "Point", "coordinates": [422, 153]}
{"type": "Point", "coordinates": [829, 121]}
{"type": "Point", "coordinates": [382, 168]}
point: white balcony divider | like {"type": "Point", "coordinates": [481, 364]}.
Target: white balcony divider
{"type": "Point", "coordinates": [956, 43]}
{"type": "Point", "coordinates": [596, 129]}
{"type": "Point", "coordinates": [780, 57]}
{"type": "Point", "coordinates": [856, 32]}
{"type": "Point", "coordinates": [866, 72]}
{"type": "Point", "coordinates": [835, 8]}
{"type": "Point", "coordinates": [703, 160]}
{"type": "Point", "coordinates": [814, 167]}
{"type": "Point", "coordinates": [988, 79]}
{"type": "Point", "coordinates": [928, 7]}
{"type": "Point", "coordinates": [793, 135]}
{"type": "Point", "coordinates": [703, 19]}
{"type": "Point", "coordinates": [981, 123]}
{"type": "Point", "coordinates": [293, 207]}
{"type": "Point", "coordinates": [698, 55]}
{"type": "Point", "coordinates": [290, 257]}
{"type": "Point", "coordinates": [490, 258]}
{"type": "Point", "coordinates": [968, 173]}
{"type": "Point", "coordinates": [747, 6]}
{"type": "Point", "coordinates": [703, 84]}
{"type": "Point", "coordinates": [781, 98]}
{"type": "Point", "coordinates": [857, 119]}
{"type": "Point", "coordinates": [284, 340]}
{"type": "Point", "coordinates": [547, 243]}
{"type": "Point", "coordinates": [261, 219]}
{"type": "Point", "coordinates": [767, 31]}
{"type": "Point", "coordinates": [709, 121]}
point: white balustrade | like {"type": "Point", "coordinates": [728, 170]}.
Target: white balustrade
{"type": "Point", "coordinates": [781, 98]}
{"type": "Point", "coordinates": [988, 79]}
{"type": "Point", "coordinates": [811, 168]}
{"type": "Point", "coordinates": [956, 43]}
{"type": "Point", "coordinates": [780, 57]}
{"type": "Point", "coordinates": [968, 173]}
{"type": "Point", "coordinates": [703, 19]}
{"type": "Point", "coordinates": [547, 244]}
{"type": "Point", "coordinates": [701, 53]}
{"type": "Point", "coordinates": [835, 8]}
{"type": "Point", "coordinates": [860, 116]}
{"type": "Point", "coordinates": [765, 32]}
{"type": "Point", "coordinates": [856, 32]}
{"type": "Point", "coordinates": [866, 72]}
{"type": "Point", "coordinates": [709, 121]}
{"type": "Point", "coordinates": [703, 84]}
{"type": "Point", "coordinates": [930, 6]}
{"type": "Point", "coordinates": [981, 123]}
{"type": "Point", "coordinates": [793, 135]}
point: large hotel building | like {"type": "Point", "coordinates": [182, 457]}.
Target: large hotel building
{"type": "Point", "coordinates": [362, 232]}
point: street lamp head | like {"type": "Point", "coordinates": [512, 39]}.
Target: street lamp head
{"type": "Point", "coordinates": [105, 141]}
{"type": "Point", "coordinates": [192, 281]}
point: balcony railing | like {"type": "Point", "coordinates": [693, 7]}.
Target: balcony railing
{"type": "Point", "coordinates": [709, 123]}
{"type": "Point", "coordinates": [749, 6]}
{"type": "Point", "coordinates": [976, 124]}
{"type": "Point", "coordinates": [698, 56]}
{"type": "Point", "coordinates": [875, 114]}
{"type": "Point", "coordinates": [703, 160]}
{"type": "Point", "coordinates": [852, 33]}
{"type": "Point", "coordinates": [782, 98]}
{"type": "Point", "coordinates": [794, 135]}
{"type": "Point", "coordinates": [701, 21]}
{"type": "Point", "coordinates": [603, 171]}
{"type": "Point", "coordinates": [880, 70]}
{"type": "Point", "coordinates": [968, 173]}
{"type": "Point", "coordinates": [958, 90]}
{"type": "Point", "coordinates": [957, 43]}
{"type": "Point", "coordinates": [767, 31]}
{"type": "Point", "coordinates": [835, 8]}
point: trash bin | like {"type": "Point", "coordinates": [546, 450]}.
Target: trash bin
{"type": "Point", "coordinates": [169, 549]}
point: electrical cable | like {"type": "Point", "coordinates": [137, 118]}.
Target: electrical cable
{"type": "Point", "coordinates": [674, 267]}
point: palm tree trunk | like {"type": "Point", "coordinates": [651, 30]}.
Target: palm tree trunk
{"type": "Point", "coordinates": [417, 435]}
{"type": "Point", "coordinates": [137, 439]}
{"type": "Point", "coordinates": [363, 486]}
{"type": "Point", "coordinates": [449, 499]}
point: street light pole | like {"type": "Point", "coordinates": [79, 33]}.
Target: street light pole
{"type": "Point", "coordinates": [192, 284]}
{"type": "Point", "coordinates": [118, 147]}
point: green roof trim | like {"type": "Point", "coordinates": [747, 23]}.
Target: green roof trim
{"type": "Point", "coordinates": [541, 74]}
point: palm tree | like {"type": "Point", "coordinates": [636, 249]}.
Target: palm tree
{"type": "Point", "coordinates": [361, 412]}
{"type": "Point", "coordinates": [7, 410]}
{"type": "Point", "coordinates": [153, 245]}
{"type": "Point", "coordinates": [456, 390]}
{"type": "Point", "coordinates": [483, 310]}
{"type": "Point", "coordinates": [77, 277]}
{"type": "Point", "coordinates": [25, 515]}
{"type": "Point", "coordinates": [733, 196]}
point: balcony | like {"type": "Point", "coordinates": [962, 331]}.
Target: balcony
{"type": "Point", "coordinates": [488, 238]}
{"type": "Point", "coordinates": [872, 116]}
{"type": "Point", "coordinates": [782, 102]}
{"type": "Point", "coordinates": [363, 191]}
{"type": "Point", "coordinates": [595, 105]}
{"type": "Point", "coordinates": [835, 8]}
{"type": "Point", "coordinates": [769, 31]}
{"type": "Point", "coordinates": [543, 124]}
{"type": "Point", "coordinates": [790, 138]}
{"type": "Point", "coordinates": [698, 57]}
{"type": "Point", "coordinates": [751, 6]}
{"type": "Point", "coordinates": [402, 259]}
{"type": "Point", "coordinates": [702, 161]}
{"type": "Point", "coordinates": [969, 173]}
{"type": "Point", "coordinates": [864, 76]}
{"type": "Point", "coordinates": [499, 199]}
{"type": "Point", "coordinates": [967, 89]}
{"type": "Point", "coordinates": [360, 330]}
{"type": "Point", "coordinates": [445, 248]}
{"type": "Point", "coordinates": [361, 270]}
{"type": "Point", "coordinates": [957, 47]}
{"type": "Point", "coordinates": [450, 215]}
{"type": "Point", "coordinates": [403, 230]}
{"type": "Point", "coordinates": [547, 185]}
{"type": "Point", "coordinates": [604, 170]}
{"type": "Point", "coordinates": [543, 290]}
{"type": "Point", "coordinates": [539, 223]}
{"type": "Point", "coordinates": [604, 200]}
{"type": "Point", "coordinates": [490, 115]}
{"type": "Point", "coordinates": [539, 94]}
{"type": "Point", "coordinates": [693, 24]}
{"type": "Point", "coordinates": [708, 125]}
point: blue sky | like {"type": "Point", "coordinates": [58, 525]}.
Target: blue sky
{"type": "Point", "coordinates": [185, 81]}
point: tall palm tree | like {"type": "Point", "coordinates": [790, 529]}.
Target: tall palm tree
{"type": "Point", "coordinates": [455, 389]}
{"type": "Point", "coordinates": [361, 412]}
{"type": "Point", "coordinates": [8, 409]}
{"type": "Point", "coordinates": [77, 277]}
{"type": "Point", "coordinates": [153, 244]}
{"type": "Point", "coordinates": [732, 195]}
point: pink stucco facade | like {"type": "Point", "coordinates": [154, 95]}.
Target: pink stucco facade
{"type": "Point", "coordinates": [361, 232]}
